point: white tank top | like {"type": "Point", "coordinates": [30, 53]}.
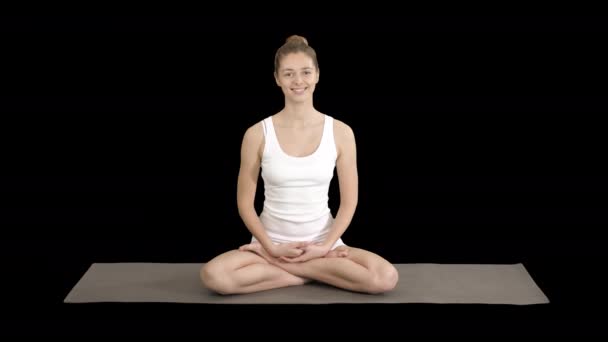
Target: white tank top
{"type": "Point", "coordinates": [296, 188]}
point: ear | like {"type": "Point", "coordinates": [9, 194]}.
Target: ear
{"type": "Point", "coordinates": [318, 75]}
{"type": "Point", "coordinates": [276, 79]}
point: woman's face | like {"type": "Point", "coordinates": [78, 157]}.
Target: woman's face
{"type": "Point", "coordinates": [297, 76]}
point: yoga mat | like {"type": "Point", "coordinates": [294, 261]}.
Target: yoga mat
{"type": "Point", "coordinates": [418, 283]}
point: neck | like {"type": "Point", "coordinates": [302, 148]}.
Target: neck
{"type": "Point", "coordinates": [299, 114]}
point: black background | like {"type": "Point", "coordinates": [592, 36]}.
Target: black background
{"type": "Point", "coordinates": [480, 140]}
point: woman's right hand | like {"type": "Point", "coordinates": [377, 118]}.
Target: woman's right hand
{"type": "Point", "coordinates": [290, 250]}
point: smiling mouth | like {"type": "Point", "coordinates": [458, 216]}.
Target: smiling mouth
{"type": "Point", "coordinates": [299, 90]}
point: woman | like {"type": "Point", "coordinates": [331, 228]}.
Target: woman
{"type": "Point", "coordinates": [295, 239]}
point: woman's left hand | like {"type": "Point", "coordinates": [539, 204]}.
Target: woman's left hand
{"type": "Point", "coordinates": [312, 251]}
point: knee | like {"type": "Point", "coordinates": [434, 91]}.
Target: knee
{"type": "Point", "coordinates": [215, 279]}
{"type": "Point", "coordinates": [384, 280]}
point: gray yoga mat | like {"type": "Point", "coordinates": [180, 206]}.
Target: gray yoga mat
{"type": "Point", "coordinates": [418, 283]}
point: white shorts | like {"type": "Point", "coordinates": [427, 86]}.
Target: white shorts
{"type": "Point", "coordinates": [281, 231]}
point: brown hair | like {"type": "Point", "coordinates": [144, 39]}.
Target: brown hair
{"type": "Point", "coordinates": [294, 44]}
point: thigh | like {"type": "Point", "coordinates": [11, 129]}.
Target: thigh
{"type": "Point", "coordinates": [233, 259]}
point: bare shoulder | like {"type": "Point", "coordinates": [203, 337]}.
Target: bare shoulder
{"type": "Point", "coordinates": [344, 135]}
{"type": "Point", "coordinates": [253, 139]}
{"type": "Point", "coordinates": [342, 131]}
{"type": "Point", "coordinates": [255, 132]}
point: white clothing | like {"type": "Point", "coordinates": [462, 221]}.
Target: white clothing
{"type": "Point", "coordinates": [296, 188]}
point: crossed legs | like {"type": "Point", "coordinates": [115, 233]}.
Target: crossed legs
{"type": "Point", "coordinates": [253, 270]}
{"type": "Point", "coordinates": [244, 272]}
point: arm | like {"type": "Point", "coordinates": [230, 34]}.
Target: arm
{"type": "Point", "coordinates": [346, 167]}
{"type": "Point", "coordinates": [247, 184]}
{"type": "Point", "coordinates": [251, 153]}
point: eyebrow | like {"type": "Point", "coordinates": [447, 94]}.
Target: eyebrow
{"type": "Point", "coordinates": [290, 69]}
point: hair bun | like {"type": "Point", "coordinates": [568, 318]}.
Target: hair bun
{"type": "Point", "coordinates": [295, 39]}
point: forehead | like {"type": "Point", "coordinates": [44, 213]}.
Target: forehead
{"type": "Point", "coordinates": [296, 61]}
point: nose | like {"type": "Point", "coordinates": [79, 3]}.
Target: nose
{"type": "Point", "coordinates": [297, 79]}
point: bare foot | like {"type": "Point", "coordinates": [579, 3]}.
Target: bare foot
{"type": "Point", "coordinates": [339, 252]}
{"type": "Point", "coordinates": [257, 248]}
